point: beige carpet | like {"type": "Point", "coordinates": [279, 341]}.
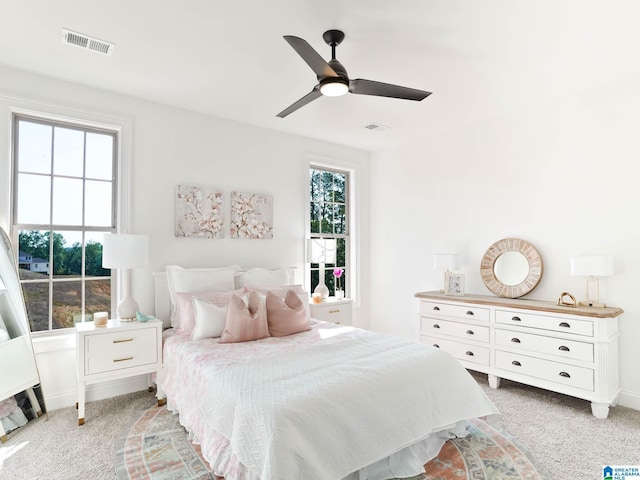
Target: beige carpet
{"type": "Point", "coordinates": [558, 431]}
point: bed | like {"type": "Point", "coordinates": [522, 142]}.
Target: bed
{"type": "Point", "coordinates": [324, 402]}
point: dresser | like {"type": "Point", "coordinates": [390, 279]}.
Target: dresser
{"type": "Point", "coordinates": [568, 350]}
{"type": "Point", "coordinates": [332, 310]}
{"type": "Point", "coordinates": [119, 350]}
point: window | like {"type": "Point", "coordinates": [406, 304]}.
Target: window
{"type": "Point", "coordinates": [329, 218]}
{"type": "Point", "coordinates": [64, 201]}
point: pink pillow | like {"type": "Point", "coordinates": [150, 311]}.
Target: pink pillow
{"type": "Point", "coordinates": [185, 320]}
{"type": "Point", "coordinates": [288, 316]}
{"type": "Point", "coordinates": [245, 321]}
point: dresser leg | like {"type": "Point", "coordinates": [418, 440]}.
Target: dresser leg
{"type": "Point", "coordinates": [494, 382]}
{"type": "Point", "coordinates": [600, 410]}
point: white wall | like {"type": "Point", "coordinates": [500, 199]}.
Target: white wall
{"type": "Point", "coordinates": [171, 146]}
{"type": "Point", "coordinates": [561, 175]}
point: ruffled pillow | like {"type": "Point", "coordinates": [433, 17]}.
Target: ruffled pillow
{"type": "Point", "coordinates": [246, 320]}
{"type": "Point", "coordinates": [286, 316]}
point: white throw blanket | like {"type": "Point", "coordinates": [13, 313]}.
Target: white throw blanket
{"type": "Point", "coordinates": [344, 399]}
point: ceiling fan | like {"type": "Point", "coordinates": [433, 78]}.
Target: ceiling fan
{"type": "Point", "coordinates": [333, 79]}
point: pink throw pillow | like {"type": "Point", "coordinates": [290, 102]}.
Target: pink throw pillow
{"type": "Point", "coordinates": [245, 321]}
{"type": "Point", "coordinates": [185, 320]}
{"type": "Point", "coordinates": [288, 316]}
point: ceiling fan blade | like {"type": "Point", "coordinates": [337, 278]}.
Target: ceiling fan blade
{"type": "Point", "coordinates": [309, 55]}
{"type": "Point", "coordinates": [360, 86]}
{"type": "Point", "coordinates": [309, 97]}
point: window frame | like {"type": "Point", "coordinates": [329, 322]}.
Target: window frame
{"type": "Point", "coordinates": [121, 189]}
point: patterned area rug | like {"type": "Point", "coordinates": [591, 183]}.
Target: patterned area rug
{"type": "Point", "coordinates": [157, 447]}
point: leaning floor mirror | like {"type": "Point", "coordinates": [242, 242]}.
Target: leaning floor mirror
{"type": "Point", "coordinates": [21, 397]}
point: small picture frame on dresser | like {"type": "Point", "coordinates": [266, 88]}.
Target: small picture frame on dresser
{"type": "Point", "coordinates": [454, 284]}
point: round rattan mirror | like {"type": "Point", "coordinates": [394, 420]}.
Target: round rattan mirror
{"type": "Point", "coordinates": [511, 268]}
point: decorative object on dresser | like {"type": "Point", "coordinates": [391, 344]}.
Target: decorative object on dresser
{"type": "Point", "coordinates": [336, 310]}
{"type": "Point", "coordinates": [511, 268]}
{"type": "Point", "coordinates": [120, 350]}
{"type": "Point", "coordinates": [454, 284]}
{"type": "Point", "coordinates": [124, 252]}
{"type": "Point", "coordinates": [592, 267]}
{"type": "Point", "coordinates": [569, 350]}
{"type": "Point", "coordinates": [321, 251]}
{"type": "Point", "coordinates": [567, 300]}
{"type": "Point", "coordinates": [19, 372]}
{"type": "Point", "coordinates": [445, 262]}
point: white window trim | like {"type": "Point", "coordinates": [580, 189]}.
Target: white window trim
{"type": "Point", "coordinates": [354, 202]}
{"type": "Point", "coordinates": [21, 106]}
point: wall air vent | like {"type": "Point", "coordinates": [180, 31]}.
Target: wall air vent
{"type": "Point", "coordinates": [88, 43]}
{"type": "Point", "coordinates": [376, 127]}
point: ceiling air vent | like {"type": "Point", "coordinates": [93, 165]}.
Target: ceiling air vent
{"type": "Point", "coordinates": [88, 43]}
{"type": "Point", "coordinates": [375, 127]}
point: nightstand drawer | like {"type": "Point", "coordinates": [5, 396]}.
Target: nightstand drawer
{"type": "Point", "coordinates": [332, 310]}
{"type": "Point", "coordinates": [467, 312]}
{"type": "Point", "coordinates": [120, 350]}
{"type": "Point", "coordinates": [462, 330]}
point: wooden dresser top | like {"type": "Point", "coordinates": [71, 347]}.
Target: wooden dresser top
{"type": "Point", "coordinates": [596, 312]}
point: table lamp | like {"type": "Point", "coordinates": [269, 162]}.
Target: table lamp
{"type": "Point", "coordinates": [321, 251]}
{"type": "Point", "coordinates": [592, 267]}
{"type": "Point", "coordinates": [124, 252]}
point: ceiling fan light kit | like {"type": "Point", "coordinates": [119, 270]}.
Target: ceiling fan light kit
{"type": "Point", "coordinates": [333, 79]}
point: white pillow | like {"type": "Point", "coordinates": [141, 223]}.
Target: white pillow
{"type": "Point", "coordinates": [262, 277]}
{"type": "Point", "coordinates": [197, 280]}
{"type": "Point", "coordinates": [210, 319]}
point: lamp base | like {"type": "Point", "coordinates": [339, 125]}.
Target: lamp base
{"type": "Point", "coordinates": [589, 303]}
{"type": "Point", "coordinates": [323, 290]}
{"type": "Point", "coordinates": [127, 309]}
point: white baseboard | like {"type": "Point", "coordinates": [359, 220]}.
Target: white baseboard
{"type": "Point", "coordinates": [629, 399]}
{"type": "Point", "coordinates": [97, 391]}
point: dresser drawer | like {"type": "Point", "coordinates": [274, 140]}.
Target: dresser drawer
{"type": "Point", "coordinates": [555, 324]}
{"type": "Point", "coordinates": [562, 373]}
{"type": "Point", "coordinates": [459, 311]}
{"type": "Point", "coordinates": [120, 350]}
{"type": "Point", "coordinates": [570, 349]}
{"type": "Point", "coordinates": [461, 351]}
{"type": "Point", "coordinates": [456, 329]}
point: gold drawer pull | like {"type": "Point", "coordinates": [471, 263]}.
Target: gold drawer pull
{"type": "Point", "coordinates": [123, 341]}
{"type": "Point", "coordinates": [334, 311]}
{"type": "Point", "coordinates": [122, 359]}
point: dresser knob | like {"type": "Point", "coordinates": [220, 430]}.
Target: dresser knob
{"type": "Point", "coordinates": [563, 348]}
{"type": "Point", "coordinates": [564, 325]}
{"type": "Point", "coordinates": [469, 353]}
{"type": "Point", "coordinates": [469, 312]}
{"type": "Point", "coordinates": [515, 340]}
{"type": "Point", "coordinates": [516, 319]}
{"type": "Point", "coordinates": [565, 375]}
{"type": "Point", "coordinates": [470, 332]}
{"type": "Point", "coordinates": [516, 363]}
{"type": "Point", "coordinates": [436, 345]}
{"type": "Point", "coordinates": [436, 308]}
{"type": "Point", "coordinates": [435, 325]}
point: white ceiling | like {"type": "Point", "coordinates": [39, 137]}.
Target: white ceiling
{"type": "Point", "coordinates": [228, 58]}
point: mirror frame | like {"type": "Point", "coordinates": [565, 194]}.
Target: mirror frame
{"type": "Point", "coordinates": [492, 254]}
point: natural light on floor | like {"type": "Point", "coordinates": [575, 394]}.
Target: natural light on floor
{"type": "Point", "coordinates": [6, 452]}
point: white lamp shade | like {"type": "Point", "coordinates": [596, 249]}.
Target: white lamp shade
{"type": "Point", "coordinates": [321, 250]}
{"type": "Point", "coordinates": [592, 266]}
{"type": "Point", "coordinates": [446, 261]}
{"type": "Point", "coordinates": [125, 251]}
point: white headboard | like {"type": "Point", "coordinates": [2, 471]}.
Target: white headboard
{"type": "Point", "coordinates": [162, 300]}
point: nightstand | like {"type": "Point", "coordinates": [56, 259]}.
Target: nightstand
{"type": "Point", "coordinates": [119, 350]}
{"type": "Point", "coordinates": [332, 310]}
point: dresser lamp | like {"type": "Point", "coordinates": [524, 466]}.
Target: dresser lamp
{"type": "Point", "coordinates": [446, 262]}
{"type": "Point", "coordinates": [592, 267]}
{"type": "Point", "coordinates": [321, 251]}
{"type": "Point", "coordinates": [124, 252]}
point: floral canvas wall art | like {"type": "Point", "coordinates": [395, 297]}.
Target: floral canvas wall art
{"type": "Point", "coordinates": [199, 212]}
{"type": "Point", "coordinates": [251, 215]}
